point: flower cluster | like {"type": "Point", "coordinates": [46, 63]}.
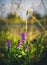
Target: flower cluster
{"type": "Point", "coordinates": [27, 47]}
{"type": "Point", "coordinates": [23, 37]}
{"type": "Point", "coordinates": [19, 44]}
{"type": "Point", "coordinates": [8, 44]}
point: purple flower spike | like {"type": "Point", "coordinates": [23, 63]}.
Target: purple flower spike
{"type": "Point", "coordinates": [23, 37]}
{"type": "Point", "coordinates": [19, 44]}
{"type": "Point", "coordinates": [8, 44]}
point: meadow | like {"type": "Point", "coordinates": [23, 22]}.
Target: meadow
{"type": "Point", "coordinates": [23, 42]}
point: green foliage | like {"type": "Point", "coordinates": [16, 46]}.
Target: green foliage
{"type": "Point", "coordinates": [17, 56]}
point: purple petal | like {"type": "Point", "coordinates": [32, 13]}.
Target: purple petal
{"type": "Point", "coordinates": [19, 44]}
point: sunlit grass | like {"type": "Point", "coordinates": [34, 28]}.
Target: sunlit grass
{"type": "Point", "coordinates": [33, 47]}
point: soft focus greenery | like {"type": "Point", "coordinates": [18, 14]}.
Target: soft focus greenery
{"type": "Point", "coordinates": [11, 27]}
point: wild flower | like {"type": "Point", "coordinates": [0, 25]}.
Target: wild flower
{"type": "Point", "coordinates": [23, 37]}
{"type": "Point", "coordinates": [8, 44]}
{"type": "Point", "coordinates": [26, 48]}
{"type": "Point", "coordinates": [19, 44]}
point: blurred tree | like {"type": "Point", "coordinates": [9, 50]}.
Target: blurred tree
{"type": "Point", "coordinates": [37, 15]}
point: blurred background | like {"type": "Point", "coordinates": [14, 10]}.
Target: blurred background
{"type": "Point", "coordinates": [17, 16]}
